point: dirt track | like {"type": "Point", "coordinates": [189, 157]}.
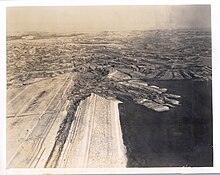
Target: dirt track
{"type": "Point", "coordinates": [34, 117]}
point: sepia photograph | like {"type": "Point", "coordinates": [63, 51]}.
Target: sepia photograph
{"type": "Point", "coordinates": [109, 86]}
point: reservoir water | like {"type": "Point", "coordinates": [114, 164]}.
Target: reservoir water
{"type": "Point", "coordinates": [180, 137]}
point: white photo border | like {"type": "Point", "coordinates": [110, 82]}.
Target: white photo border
{"type": "Point", "coordinates": [215, 86]}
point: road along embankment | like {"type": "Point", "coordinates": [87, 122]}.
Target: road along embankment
{"type": "Point", "coordinates": [95, 137]}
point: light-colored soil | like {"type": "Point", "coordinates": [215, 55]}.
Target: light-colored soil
{"type": "Point", "coordinates": [33, 119]}
{"type": "Point", "coordinates": [95, 138]}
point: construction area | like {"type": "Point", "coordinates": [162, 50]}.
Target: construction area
{"type": "Point", "coordinates": [109, 99]}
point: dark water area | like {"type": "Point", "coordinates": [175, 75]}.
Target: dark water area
{"type": "Point", "coordinates": [180, 137]}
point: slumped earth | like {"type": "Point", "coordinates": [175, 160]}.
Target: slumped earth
{"type": "Point", "coordinates": [109, 99]}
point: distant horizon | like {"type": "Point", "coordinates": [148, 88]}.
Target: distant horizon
{"type": "Point", "coordinates": [66, 19]}
{"type": "Point", "coordinates": [99, 31]}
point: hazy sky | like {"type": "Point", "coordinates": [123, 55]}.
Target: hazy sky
{"type": "Point", "coordinates": [93, 18]}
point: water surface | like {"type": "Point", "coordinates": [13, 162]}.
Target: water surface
{"type": "Point", "coordinates": [179, 137]}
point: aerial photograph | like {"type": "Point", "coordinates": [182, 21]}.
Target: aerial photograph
{"type": "Point", "coordinates": [109, 86]}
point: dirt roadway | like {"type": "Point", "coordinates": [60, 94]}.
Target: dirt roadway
{"type": "Point", "coordinates": [33, 119]}
{"type": "Point", "coordinates": [35, 113]}
{"type": "Point", "coordinates": [94, 136]}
